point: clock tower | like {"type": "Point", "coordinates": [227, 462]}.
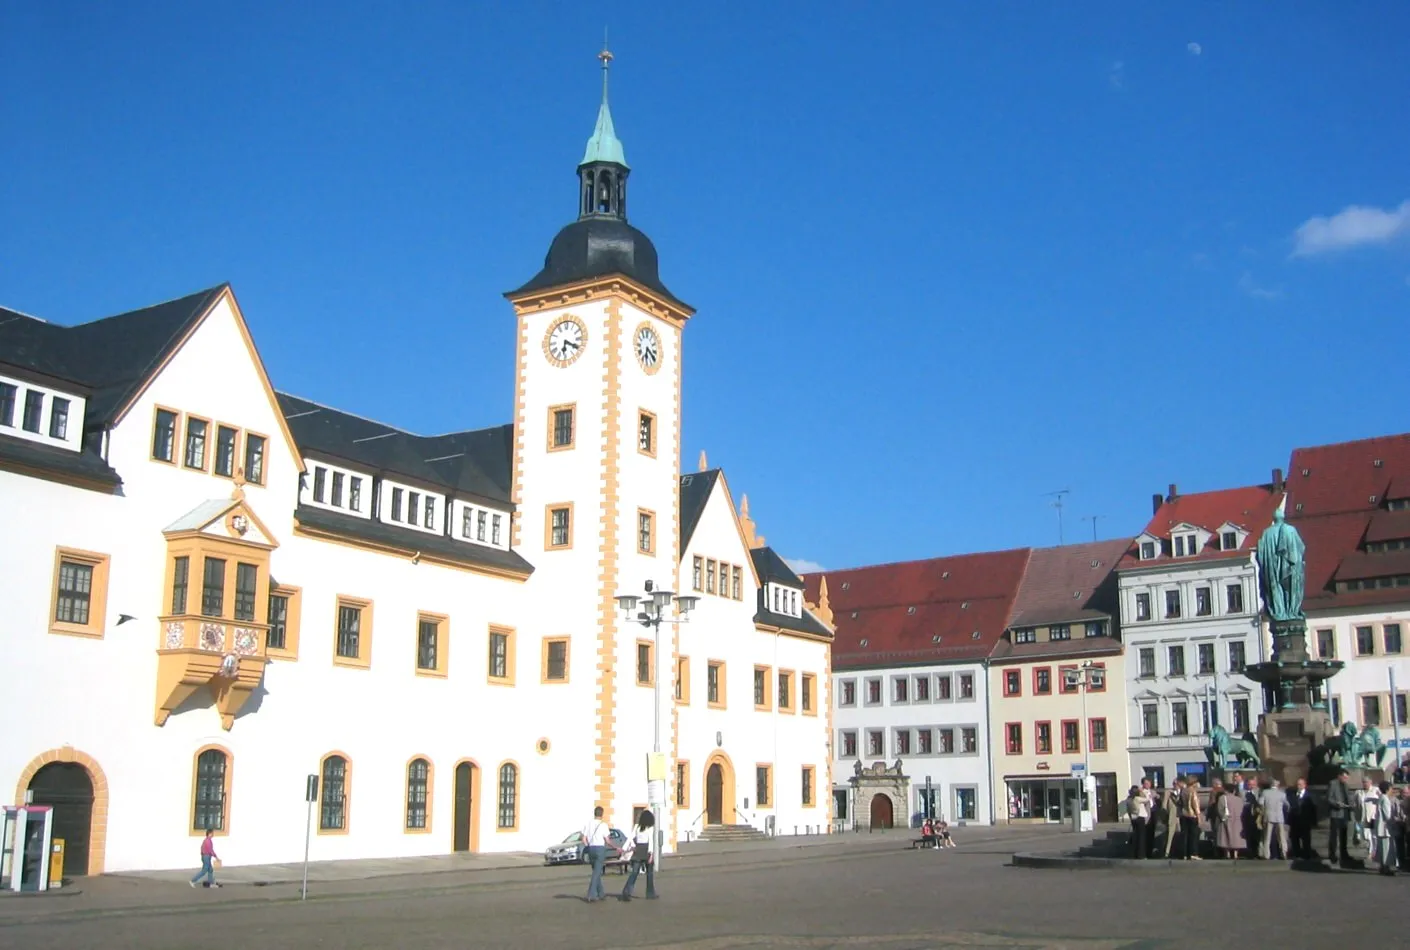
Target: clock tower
{"type": "Point", "coordinates": [596, 470]}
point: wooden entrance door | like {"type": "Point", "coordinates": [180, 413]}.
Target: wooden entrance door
{"type": "Point", "coordinates": [464, 804]}
{"type": "Point", "coordinates": [881, 813]}
{"type": "Point", "coordinates": [68, 788]}
{"type": "Point", "coordinates": [715, 795]}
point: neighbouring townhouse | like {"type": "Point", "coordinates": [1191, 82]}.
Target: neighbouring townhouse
{"type": "Point", "coordinates": [1190, 621]}
{"type": "Point", "coordinates": [1351, 503]}
{"type": "Point", "coordinates": [1055, 679]}
{"type": "Point", "coordinates": [215, 589]}
{"type": "Point", "coordinates": [910, 695]}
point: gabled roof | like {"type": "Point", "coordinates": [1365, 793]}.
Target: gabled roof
{"type": "Point", "coordinates": [476, 462]}
{"type": "Point", "coordinates": [112, 358]}
{"type": "Point", "coordinates": [1344, 476]}
{"type": "Point", "coordinates": [1069, 584]}
{"type": "Point", "coordinates": [695, 494]}
{"type": "Point", "coordinates": [1332, 508]}
{"type": "Point", "coordinates": [1250, 508]}
{"type": "Point", "coordinates": [918, 612]}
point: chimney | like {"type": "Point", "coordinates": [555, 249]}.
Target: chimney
{"type": "Point", "coordinates": [1277, 479]}
{"type": "Point", "coordinates": [1174, 492]}
{"type": "Point", "coordinates": [1156, 501]}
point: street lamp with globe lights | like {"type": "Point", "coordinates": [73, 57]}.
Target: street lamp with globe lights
{"type": "Point", "coordinates": [1085, 677]}
{"type": "Point", "coordinates": [655, 606]}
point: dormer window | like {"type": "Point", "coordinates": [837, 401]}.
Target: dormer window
{"type": "Point", "coordinates": [1147, 550]}
{"type": "Point", "coordinates": [1186, 545]}
{"type": "Point", "coordinates": [1025, 635]}
{"type": "Point", "coordinates": [1229, 540]}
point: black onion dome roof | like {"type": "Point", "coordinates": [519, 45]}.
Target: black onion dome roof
{"type": "Point", "coordinates": [599, 247]}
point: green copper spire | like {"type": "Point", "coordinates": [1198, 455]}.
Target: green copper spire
{"type": "Point", "coordinates": [604, 146]}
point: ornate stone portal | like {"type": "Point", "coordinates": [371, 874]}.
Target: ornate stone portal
{"type": "Point", "coordinates": [1297, 722]}
{"type": "Point", "coordinates": [880, 781]}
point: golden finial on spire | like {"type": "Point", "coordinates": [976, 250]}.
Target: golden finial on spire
{"type": "Point", "coordinates": [703, 464]}
{"type": "Point", "coordinates": [824, 608]}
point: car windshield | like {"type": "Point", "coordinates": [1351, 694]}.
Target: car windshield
{"type": "Point", "coordinates": [574, 838]}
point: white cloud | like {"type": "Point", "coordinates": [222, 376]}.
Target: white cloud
{"type": "Point", "coordinates": [803, 565]}
{"type": "Point", "coordinates": [1351, 227]}
{"type": "Point", "coordinates": [1117, 76]}
{"type": "Point", "coordinates": [1251, 287]}
{"type": "Point", "coordinates": [1194, 49]}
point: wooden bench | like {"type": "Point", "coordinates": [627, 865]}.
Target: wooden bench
{"type": "Point", "coordinates": [924, 843]}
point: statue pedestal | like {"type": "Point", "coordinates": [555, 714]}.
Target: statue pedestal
{"type": "Point", "coordinates": [1286, 738]}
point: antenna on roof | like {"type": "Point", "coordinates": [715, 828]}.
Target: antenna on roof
{"type": "Point", "coordinates": [1057, 497]}
{"type": "Point", "coordinates": [1093, 520]}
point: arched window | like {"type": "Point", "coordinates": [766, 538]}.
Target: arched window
{"type": "Point", "coordinates": [587, 192]}
{"type": "Point", "coordinates": [418, 788]}
{"type": "Point", "coordinates": [333, 794]}
{"type": "Point", "coordinates": [508, 796]}
{"type": "Point", "coordinates": [212, 792]}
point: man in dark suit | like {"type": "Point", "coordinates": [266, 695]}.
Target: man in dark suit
{"type": "Point", "coordinates": [1302, 816]}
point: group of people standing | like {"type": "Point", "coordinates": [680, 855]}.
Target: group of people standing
{"type": "Point", "coordinates": [1248, 818]}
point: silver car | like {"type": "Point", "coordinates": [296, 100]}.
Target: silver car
{"type": "Point", "coordinates": [571, 850]}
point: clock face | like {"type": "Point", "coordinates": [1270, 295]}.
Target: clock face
{"type": "Point", "coordinates": [565, 341]}
{"type": "Point", "coordinates": [648, 348]}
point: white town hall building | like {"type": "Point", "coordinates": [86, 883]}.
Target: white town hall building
{"type": "Point", "coordinates": [215, 589]}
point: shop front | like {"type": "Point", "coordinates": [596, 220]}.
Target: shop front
{"type": "Point", "coordinates": [1053, 799]}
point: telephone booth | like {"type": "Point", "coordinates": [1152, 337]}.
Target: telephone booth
{"type": "Point", "coordinates": [24, 847]}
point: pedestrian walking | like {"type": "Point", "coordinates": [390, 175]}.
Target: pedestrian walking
{"type": "Point", "coordinates": [1228, 820]}
{"type": "Point", "coordinates": [208, 859]}
{"type": "Point", "coordinates": [1152, 803]}
{"type": "Point", "coordinates": [1369, 800]}
{"type": "Point", "coordinates": [643, 846]}
{"type": "Point", "coordinates": [595, 835]}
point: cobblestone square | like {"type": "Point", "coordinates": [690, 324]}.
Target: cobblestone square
{"type": "Point", "coordinates": [861, 891]}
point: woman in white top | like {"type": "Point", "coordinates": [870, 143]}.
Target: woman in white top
{"type": "Point", "coordinates": [643, 845]}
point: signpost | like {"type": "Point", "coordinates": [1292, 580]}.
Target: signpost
{"type": "Point", "coordinates": [310, 796]}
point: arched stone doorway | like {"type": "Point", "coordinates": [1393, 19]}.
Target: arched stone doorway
{"type": "Point", "coordinates": [74, 784]}
{"type": "Point", "coordinates": [882, 815]}
{"type": "Point", "coordinates": [719, 790]}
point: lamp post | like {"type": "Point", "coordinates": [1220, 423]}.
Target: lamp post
{"type": "Point", "coordinates": [654, 607]}
{"type": "Point", "coordinates": [1083, 678]}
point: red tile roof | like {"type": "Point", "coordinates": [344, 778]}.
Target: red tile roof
{"type": "Point", "coordinates": [1332, 507]}
{"type": "Point", "coordinates": [920, 611]}
{"type": "Point", "coordinates": [1071, 583]}
{"type": "Point", "coordinates": [1344, 476]}
{"type": "Point", "coordinates": [1250, 508]}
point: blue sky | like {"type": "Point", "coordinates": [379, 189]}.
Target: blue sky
{"type": "Point", "coordinates": [947, 258]}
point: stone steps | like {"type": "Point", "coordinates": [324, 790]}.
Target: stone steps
{"type": "Point", "coordinates": [732, 833]}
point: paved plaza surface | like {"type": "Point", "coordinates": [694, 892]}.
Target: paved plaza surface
{"type": "Point", "coordinates": [851, 891]}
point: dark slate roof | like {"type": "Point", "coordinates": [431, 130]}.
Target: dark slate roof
{"type": "Point", "coordinates": [695, 492]}
{"type": "Point", "coordinates": [475, 462]}
{"type": "Point", "coordinates": [410, 542]}
{"type": "Point", "coordinates": [599, 247]}
{"type": "Point", "coordinates": [1009, 652]}
{"type": "Point", "coordinates": [804, 624]}
{"type": "Point", "coordinates": [770, 567]}
{"type": "Point", "coordinates": [112, 358]}
{"type": "Point", "coordinates": [50, 458]}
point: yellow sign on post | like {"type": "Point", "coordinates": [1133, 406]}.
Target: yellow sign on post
{"type": "Point", "coordinates": [56, 863]}
{"type": "Point", "coordinates": [656, 766]}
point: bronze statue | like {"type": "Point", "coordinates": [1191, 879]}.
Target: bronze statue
{"type": "Point", "coordinates": [1223, 746]}
{"type": "Point", "coordinates": [1281, 573]}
